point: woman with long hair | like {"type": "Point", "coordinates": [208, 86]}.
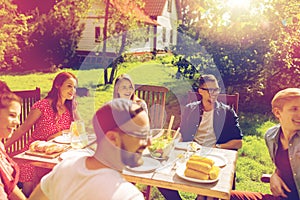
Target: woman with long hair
{"type": "Point", "coordinates": [50, 116]}
{"type": "Point", "coordinates": [10, 110]}
{"type": "Point", "coordinates": [124, 88]}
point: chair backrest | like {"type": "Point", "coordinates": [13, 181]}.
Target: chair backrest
{"type": "Point", "coordinates": [155, 98]}
{"type": "Point", "coordinates": [229, 99]}
{"type": "Point", "coordinates": [29, 97]}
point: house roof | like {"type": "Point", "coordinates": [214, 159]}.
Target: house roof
{"type": "Point", "coordinates": [128, 6]}
{"type": "Point", "coordinates": [154, 8]}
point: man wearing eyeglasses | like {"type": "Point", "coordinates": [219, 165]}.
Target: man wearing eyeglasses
{"type": "Point", "coordinates": [122, 130]}
{"type": "Point", "coordinates": [209, 123]}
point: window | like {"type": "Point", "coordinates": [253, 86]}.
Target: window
{"type": "Point", "coordinates": [169, 5]}
{"type": "Point", "coordinates": [164, 34]}
{"type": "Point", "coordinates": [97, 34]}
{"type": "Point", "coordinates": [171, 36]}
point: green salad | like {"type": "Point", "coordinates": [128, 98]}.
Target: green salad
{"type": "Point", "coordinates": [161, 146]}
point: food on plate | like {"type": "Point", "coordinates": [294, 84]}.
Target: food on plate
{"type": "Point", "coordinates": [41, 146]}
{"type": "Point", "coordinates": [195, 174]}
{"type": "Point", "coordinates": [214, 172]}
{"type": "Point", "coordinates": [45, 147]}
{"type": "Point", "coordinates": [161, 146]}
{"type": "Point", "coordinates": [201, 168]}
{"type": "Point", "coordinates": [202, 159]}
{"type": "Point", "coordinates": [33, 145]}
{"type": "Point", "coordinates": [193, 146]}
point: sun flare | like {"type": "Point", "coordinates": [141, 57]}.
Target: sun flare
{"type": "Point", "coordinates": [239, 3]}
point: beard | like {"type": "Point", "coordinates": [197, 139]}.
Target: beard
{"type": "Point", "coordinates": [129, 158]}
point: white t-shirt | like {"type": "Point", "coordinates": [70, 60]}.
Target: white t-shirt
{"type": "Point", "coordinates": [70, 179]}
{"type": "Point", "coordinates": [205, 134]}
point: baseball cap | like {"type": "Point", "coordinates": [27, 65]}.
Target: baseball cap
{"type": "Point", "coordinates": [118, 113]}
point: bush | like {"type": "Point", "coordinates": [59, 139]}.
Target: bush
{"type": "Point", "coordinates": [251, 123]}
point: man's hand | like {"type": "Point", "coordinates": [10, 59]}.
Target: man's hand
{"type": "Point", "coordinates": [277, 186]}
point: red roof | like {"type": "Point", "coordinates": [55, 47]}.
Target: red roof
{"type": "Point", "coordinates": [154, 8]}
{"type": "Point", "coordinates": [128, 6]}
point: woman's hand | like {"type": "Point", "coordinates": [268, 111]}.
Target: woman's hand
{"type": "Point", "coordinates": [277, 186]}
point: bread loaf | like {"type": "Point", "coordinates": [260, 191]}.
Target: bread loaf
{"type": "Point", "coordinates": [41, 146]}
{"type": "Point", "coordinates": [33, 145]}
{"type": "Point", "coordinates": [53, 149]}
{"type": "Point", "coordinates": [45, 147]}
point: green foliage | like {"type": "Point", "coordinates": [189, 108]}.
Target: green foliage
{"type": "Point", "coordinates": [254, 123]}
{"type": "Point", "coordinates": [253, 161]}
{"type": "Point", "coordinates": [254, 46]}
{"type": "Point", "coordinates": [55, 36]}
{"type": "Point", "coordinates": [40, 42]}
{"type": "Point", "coordinates": [13, 32]}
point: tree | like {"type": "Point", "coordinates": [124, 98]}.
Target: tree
{"type": "Point", "coordinates": [285, 50]}
{"type": "Point", "coordinates": [246, 40]}
{"type": "Point", "coordinates": [54, 36]}
{"type": "Point", "coordinates": [123, 18]}
{"type": "Point", "coordinates": [13, 32]}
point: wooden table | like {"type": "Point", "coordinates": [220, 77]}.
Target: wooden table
{"type": "Point", "coordinates": [220, 189]}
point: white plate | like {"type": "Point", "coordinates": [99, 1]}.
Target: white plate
{"type": "Point", "coordinates": [63, 140]}
{"type": "Point", "coordinates": [184, 145]}
{"type": "Point", "coordinates": [75, 153]}
{"type": "Point", "coordinates": [149, 165]}
{"type": "Point", "coordinates": [220, 160]}
{"type": "Point", "coordinates": [180, 173]}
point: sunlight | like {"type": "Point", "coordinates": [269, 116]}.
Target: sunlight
{"type": "Point", "coordinates": [239, 3]}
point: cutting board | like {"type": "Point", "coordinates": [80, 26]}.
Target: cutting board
{"type": "Point", "coordinates": [44, 155]}
{"type": "Point", "coordinates": [41, 154]}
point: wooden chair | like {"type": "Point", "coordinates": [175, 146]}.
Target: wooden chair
{"type": "Point", "coordinates": [29, 97]}
{"type": "Point", "coordinates": [229, 99]}
{"type": "Point", "coordinates": [155, 98]}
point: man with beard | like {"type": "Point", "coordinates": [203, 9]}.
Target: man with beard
{"type": "Point", "coordinates": [122, 130]}
{"type": "Point", "coordinates": [209, 123]}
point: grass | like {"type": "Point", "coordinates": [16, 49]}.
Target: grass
{"type": "Point", "coordinates": [253, 157]}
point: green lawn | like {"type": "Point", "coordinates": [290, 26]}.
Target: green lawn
{"type": "Point", "coordinates": [253, 157]}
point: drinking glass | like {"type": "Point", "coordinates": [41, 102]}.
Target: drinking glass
{"type": "Point", "coordinates": [79, 137]}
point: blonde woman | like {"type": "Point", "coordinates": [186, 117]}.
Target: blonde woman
{"type": "Point", "coordinates": [124, 88]}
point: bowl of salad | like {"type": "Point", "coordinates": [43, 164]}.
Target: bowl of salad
{"type": "Point", "coordinates": [162, 143]}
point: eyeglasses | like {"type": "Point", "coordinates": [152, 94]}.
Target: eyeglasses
{"type": "Point", "coordinates": [212, 90]}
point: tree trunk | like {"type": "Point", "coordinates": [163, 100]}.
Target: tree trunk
{"type": "Point", "coordinates": [104, 42]}
{"type": "Point", "coordinates": [115, 66]}
{"type": "Point", "coordinates": [105, 76]}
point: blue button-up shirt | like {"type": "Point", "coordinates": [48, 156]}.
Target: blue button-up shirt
{"type": "Point", "coordinates": [272, 139]}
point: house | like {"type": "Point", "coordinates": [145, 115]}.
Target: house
{"type": "Point", "coordinates": [161, 19]}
